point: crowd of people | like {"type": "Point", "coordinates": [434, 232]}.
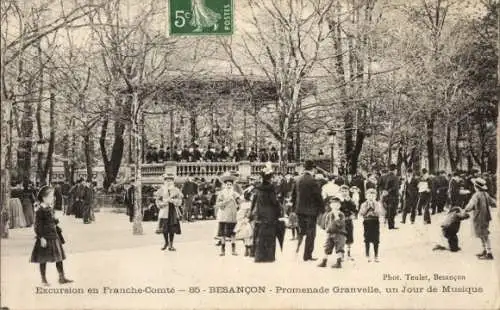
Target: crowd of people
{"type": "Point", "coordinates": [212, 153]}
{"type": "Point", "coordinates": [78, 200]}
{"type": "Point", "coordinates": [257, 211]}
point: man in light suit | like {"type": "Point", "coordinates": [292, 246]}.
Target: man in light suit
{"type": "Point", "coordinates": [307, 204]}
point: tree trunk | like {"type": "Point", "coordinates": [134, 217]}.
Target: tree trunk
{"type": "Point", "coordinates": [104, 154]}
{"type": "Point", "coordinates": [245, 136]}
{"type": "Point", "coordinates": [400, 159]}
{"type": "Point", "coordinates": [360, 137]}
{"type": "Point", "coordinates": [5, 164]}
{"type": "Point", "coordinates": [298, 153]}
{"type": "Point", "coordinates": [256, 128]}
{"type": "Point", "coordinates": [39, 168]}
{"type": "Point", "coordinates": [348, 133]}
{"type": "Point", "coordinates": [284, 128]}
{"type": "Point", "coordinates": [137, 123]}
{"type": "Point", "coordinates": [25, 143]}
{"type": "Point", "coordinates": [73, 151]}
{"type": "Point", "coordinates": [416, 159]}
{"type": "Point", "coordinates": [66, 163]}
{"type": "Point", "coordinates": [430, 142]}
{"type": "Point", "coordinates": [112, 166]}
{"type": "Point", "coordinates": [88, 156]}
{"type": "Point", "coordinates": [172, 133]}
{"type": "Point", "coordinates": [48, 162]}
{"type": "Point", "coordinates": [389, 153]}
{"type": "Point", "coordinates": [470, 162]}
{"type": "Point", "coordinates": [451, 157]}
{"type": "Point", "coordinates": [192, 122]}
{"type": "Point", "coordinates": [497, 166]}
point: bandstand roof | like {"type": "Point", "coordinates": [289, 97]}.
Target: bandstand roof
{"type": "Point", "coordinates": [216, 87]}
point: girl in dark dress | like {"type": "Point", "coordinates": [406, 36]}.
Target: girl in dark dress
{"type": "Point", "coordinates": [265, 211]}
{"type": "Point", "coordinates": [48, 245]}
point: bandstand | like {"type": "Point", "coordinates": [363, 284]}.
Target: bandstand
{"type": "Point", "coordinates": [251, 93]}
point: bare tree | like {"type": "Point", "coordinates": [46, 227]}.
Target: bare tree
{"type": "Point", "coordinates": [17, 40]}
{"type": "Point", "coordinates": [284, 43]}
{"type": "Point", "coordinates": [135, 62]}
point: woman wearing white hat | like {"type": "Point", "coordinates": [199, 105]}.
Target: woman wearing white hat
{"type": "Point", "coordinates": [480, 203]}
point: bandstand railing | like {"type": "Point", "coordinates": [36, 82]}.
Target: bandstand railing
{"type": "Point", "coordinates": [205, 169]}
{"type": "Point", "coordinates": [151, 173]}
{"type": "Point", "coordinates": [153, 170]}
{"type": "Point", "coordinates": [256, 168]}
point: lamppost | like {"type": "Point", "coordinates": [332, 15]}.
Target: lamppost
{"type": "Point", "coordinates": [40, 146]}
{"type": "Point", "coordinates": [333, 140]}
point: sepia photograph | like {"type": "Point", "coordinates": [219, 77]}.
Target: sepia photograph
{"type": "Point", "coordinates": [249, 154]}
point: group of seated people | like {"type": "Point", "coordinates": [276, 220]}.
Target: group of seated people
{"type": "Point", "coordinates": [194, 153]}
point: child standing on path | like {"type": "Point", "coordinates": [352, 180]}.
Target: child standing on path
{"type": "Point", "coordinates": [244, 230]}
{"type": "Point", "coordinates": [48, 245]}
{"type": "Point", "coordinates": [227, 206]}
{"type": "Point", "coordinates": [335, 227]}
{"type": "Point", "coordinates": [348, 208]}
{"type": "Point", "coordinates": [480, 203]}
{"type": "Point", "coordinates": [371, 210]}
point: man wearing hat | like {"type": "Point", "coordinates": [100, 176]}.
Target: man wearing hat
{"type": "Point", "coordinates": [410, 196]}
{"type": "Point", "coordinates": [274, 157]}
{"type": "Point", "coordinates": [454, 190]}
{"type": "Point", "coordinates": [185, 154]}
{"type": "Point", "coordinates": [209, 154]}
{"type": "Point", "coordinates": [439, 192]}
{"type": "Point", "coordinates": [196, 153]}
{"type": "Point", "coordinates": [480, 204]}
{"type": "Point", "coordinates": [189, 190]}
{"type": "Point", "coordinates": [307, 204]}
{"type": "Point", "coordinates": [424, 196]}
{"type": "Point", "coordinates": [239, 153]}
{"type": "Point", "coordinates": [130, 199]}
{"type": "Point", "coordinates": [390, 188]}
{"type": "Point", "coordinates": [77, 193]}
{"type": "Point", "coordinates": [252, 155]}
{"type": "Point", "coordinates": [224, 154]}
{"type": "Point", "coordinates": [88, 199]}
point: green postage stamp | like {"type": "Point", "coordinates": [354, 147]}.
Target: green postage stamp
{"type": "Point", "coordinates": [194, 17]}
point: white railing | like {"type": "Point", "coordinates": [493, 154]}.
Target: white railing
{"type": "Point", "coordinates": [149, 170]}
{"type": "Point", "coordinates": [151, 173]}
{"type": "Point", "coordinates": [205, 169]}
{"type": "Point", "coordinates": [153, 170]}
{"type": "Point", "coordinates": [257, 168]}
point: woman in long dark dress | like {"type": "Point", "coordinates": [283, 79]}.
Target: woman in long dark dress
{"type": "Point", "coordinates": [265, 212]}
{"type": "Point", "coordinates": [48, 245]}
{"type": "Point", "coordinates": [27, 200]}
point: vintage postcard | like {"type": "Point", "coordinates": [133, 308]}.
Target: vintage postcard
{"type": "Point", "coordinates": [249, 154]}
